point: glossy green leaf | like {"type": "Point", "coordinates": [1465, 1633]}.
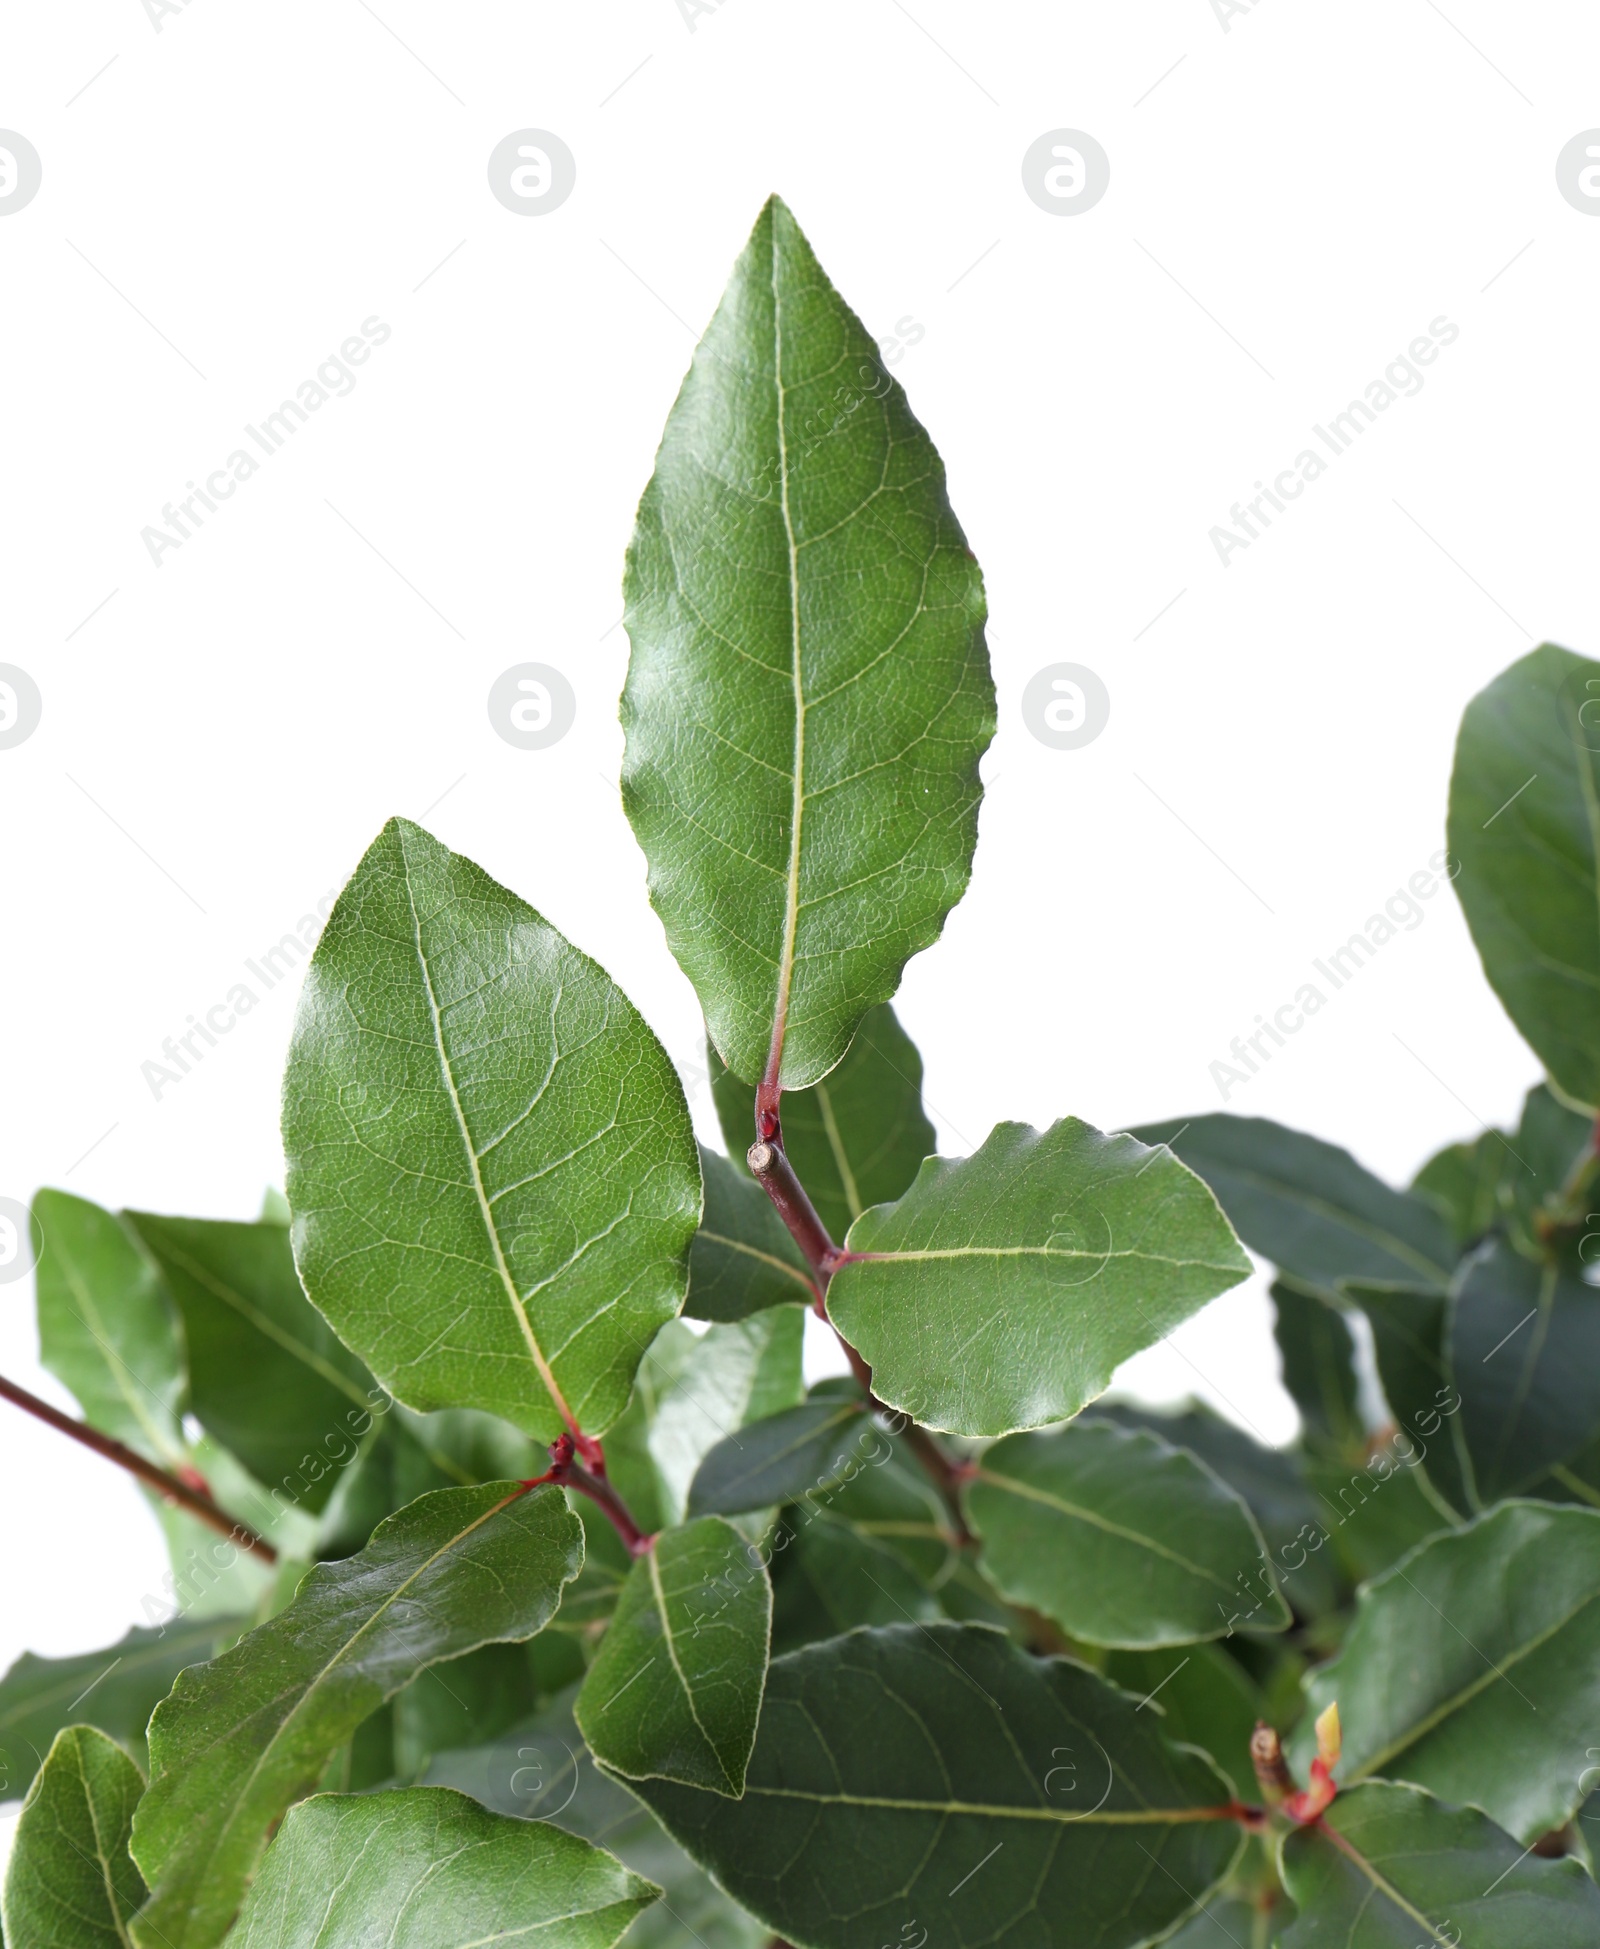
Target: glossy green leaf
{"type": "Point", "coordinates": [1205, 1698]}
{"type": "Point", "coordinates": [809, 693]}
{"type": "Point", "coordinates": [1118, 1537]}
{"type": "Point", "coordinates": [70, 1883]}
{"type": "Point", "coordinates": [108, 1329]}
{"type": "Point", "coordinates": [936, 1773]}
{"type": "Point", "coordinates": [675, 1689]}
{"type": "Point", "coordinates": [1003, 1291]}
{"type": "Point", "coordinates": [859, 1136]}
{"type": "Point", "coordinates": [1462, 1183]}
{"type": "Point", "coordinates": [430, 1869]}
{"type": "Point", "coordinates": [1408, 1872]}
{"type": "Point", "coordinates": [1524, 832]}
{"type": "Point", "coordinates": [544, 1772]}
{"type": "Point", "coordinates": [1273, 1487]}
{"type": "Point", "coordinates": [116, 1690]}
{"type": "Point", "coordinates": [1317, 1352]}
{"type": "Point", "coordinates": [1308, 1206]}
{"type": "Point", "coordinates": [240, 1739]}
{"type": "Point", "coordinates": [267, 1375]}
{"type": "Point", "coordinates": [735, 1375]}
{"type": "Point", "coordinates": [1473, 1668]}
{"type": "Point", "coordinates": [491, 1166]}
{"type": "Point", "coordinates": [828, 1577]}
{"type": "Point", "coordinates": [1524, 1351]}
{"type": "Point", "coordinates": [743, 1259]}
{"type": "Point", "coordinates": [801, 1452]}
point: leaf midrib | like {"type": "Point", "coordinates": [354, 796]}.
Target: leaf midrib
{"type": "Point", "coordinates": [1019, 1487]}
{"type": "Point", "coordinates": [652, 1558]}
{"type": "Point", "coordinates": [1120, 1817]}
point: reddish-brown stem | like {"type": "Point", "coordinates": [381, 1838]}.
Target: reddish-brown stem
{"type": "Point", "coordinates": [771, 1169]}
{"type": "Point", "coordinates": [156, 1478]}
{"type": "Point", "coordinates": [569, 1473]}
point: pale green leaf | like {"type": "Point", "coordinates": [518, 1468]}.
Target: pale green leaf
{"type": "Point", "coordinates": [859, 1136]}
{"type": "Point", "coordinates": [675, 1689]}
{"type": "Point", "coordinates": [1524, 836]}
{"type": "Point", "coordinates": [491, 1167]}
{"type": "Point", "coordinates": [108, 1329]}
{"type": "Point", "coordinates": [70, 1883]}
{"type": "Point", "coordinates": [1121, 1539]}
{"type": "Point", "coordinates": [936, 1774]}
{"type": "Point", "coordinates": [1390, 1867]}
{"type": "Point", "coordinates": [1473, 1668]}
{"type": "Point", "coordinates": [1003, 1291]}
{"type": "Point", "coordinates": [809, 693]}
{"type": "Point", "coordinates": [240, 1739]}
{"type": "Point", "coordinates": [430, 1869]}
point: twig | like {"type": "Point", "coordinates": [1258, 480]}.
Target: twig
{"type": "Point", "coordinates": [147, 1472]}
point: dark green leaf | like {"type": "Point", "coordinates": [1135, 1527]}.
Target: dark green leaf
{"type": "Point", "coordinates": [463, 1702]}
{"type": "Point", "coordinates": [936, 1775]}
{"type": "Point", "coordinates": [743, 1259]}
{"type": "Point", "coordinates": [1408, 1331]}
{"type": "Point", "coordinates": [241, 1738]}
{"type": "Point", "coordinates": [801, 1452]}
{"type": "Point", "coordinates": [116, 1689]}
{"type": "Point", "coordinates": [675, 1688]}
{"type": "Point", "coordinates": [70, 1883]}
{"type": "Point", "coordinates": [1462, 1182]}
{"type": "Point", "coordinates": [1413, 1873]}
{"type": "Point", "coordinates": [491, 1166]}
{"type": "Point", "coordinates": [1003, 1291]}
{"type": "Point", "coordinates": [828, 1576]}
{"type": "Point", "coordinates": [1524, 820]}
{"type": "Point", "coordinates": [893, 1504]}
{"type": "Point", "coordinates": [1205, 1697]}
{"type": "Point", "coordinates": [1226, 1922]}
{"type": "Point", "coordinates": [430, 1869]}
{"type": "Point", "coordinates": [108, 1330]}
{"type": "Point", "coordinates": [267, 1376]}
{"type": "Point", "coordinates": [858, 1137]}
{"type": "Point", "coordinates": [1308, 1206]}
{"type": "Point", "coordinates": [809, 692]}
{"type": "Point", "coordinates": [1473, 1667]}
{"type": "Point", "coordinates": [1524, 1350]}
{"type": "Point", "coordinates": [1548, 1170]}
{"type": "Point", "coordinates": [1121, 1539]}
{"type": "Point", "coordinates": [1318, 1353]}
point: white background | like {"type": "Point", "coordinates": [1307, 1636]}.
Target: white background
{"type": "Point", "coordinates": [1295, 194]}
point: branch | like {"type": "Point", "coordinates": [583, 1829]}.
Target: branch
{"type": "Point", "coordinates": [771, 1169]}
{"type": "Point", "coordinates": [569, 1473]}
{"type": "Point", "coordinates": [147, 1472]}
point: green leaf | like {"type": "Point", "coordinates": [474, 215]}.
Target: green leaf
{"type": "Point", "coordinates": [892, 1504]}
{"type": "Point", "coordinates": [743, 1259]}
{"type": "Point", "coordinates": [267, 1375]}
{"type": "Point", "coordinates": [464, 1702]}
{"type": "Point", "coordinates": [491, 1166]}
{"type": "Point", "coordinates": [675, 1688]}
{"type": "Point", "coordinates": [1548, 1170]}
{"type": "Point", "coordinates": [828, 1577]}
{"type": "Point", "coordinates": [800, 1452]}
{"type": "Point", "coordinates": [1397, 1869]}
{"type": "Point", "coordinates": [243, 1737]}
{"type": "Point", "coordinates": [1408, 1331]}
{"type": "Point", "coordinates": [108, 1330]}
{"type": "Point", "coordinates": [1524, 833]}
{"type": "Point", "coordinates": [809, 693]}
{"type": "Point", "coordinates": [1003, 1291]}
{"type": "Point", "coordinates": [1318, 1353]}
{"type": "Point", "coordinates": [1524, 1349]}
{"type": "Point", "coordinates": [1473, 1668]}
{"type": "Point", "coordinates": [1462, 1183]}
{"type": "Point", "coordinates": [1308, 1206]}
{"type": "Point", "coordinates": [1121, 1539]}
{"type": "Point", "coordinates": [858, 1137]}
{"type": "Point", "coordinates": [116, 1690]}
{"type": "Point", "coordinates": [1205, 1698]}
{"type": "Point", "coordinates": [1226, 1923]}
{"type": "Point", "coordinates": [544, 1772]}
{"type": "Point", "coordinates": [431, 1869]}
{"type": "Point", "coordinates": [70, 1883]}
{"type": "Point", "coordinates": [937, 1773]}
{"type": "Point", "coordinates": [735, 1375]}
